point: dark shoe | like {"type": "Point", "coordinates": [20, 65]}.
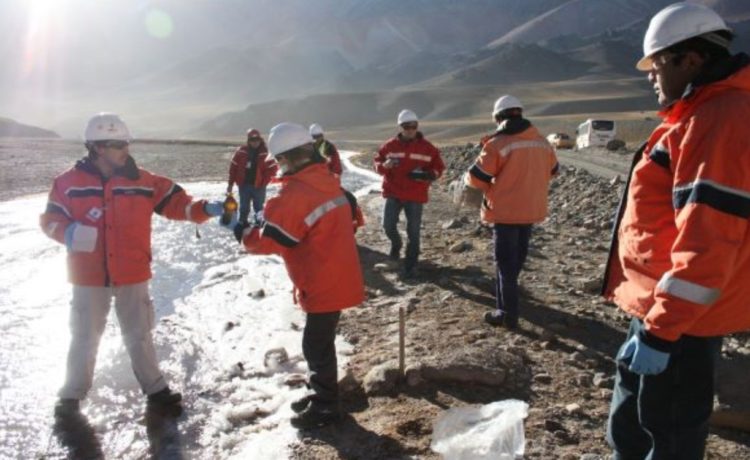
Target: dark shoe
{"type": "Point", "coordinates": [395, 252]}
{"type": "Point", "coordinates": [301, 404]}
{"type": "Point", "coordinates": [65, 407]}
{"type": "Point", "coordinates": [316, 416]}
{"type": "Point", "coordinates": [493, 318]}
{"type": "Point", "coordinates": [165, 397]}
{"type": "Point", "coordinates": [166, 401]}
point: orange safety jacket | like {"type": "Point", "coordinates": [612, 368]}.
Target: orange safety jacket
{"type": "Point", "coordinates": [680, 255]}
{"type": "Point", "coordinates": [417, 153]}
{"type": "Point", "coordinates": [265, 169]}
{"type": "Point", "coordinates": [514, 171]}
{"type": "Point", "coordinates": [309, 224]}
{"type": "Point", "coordinates": [120, 209]}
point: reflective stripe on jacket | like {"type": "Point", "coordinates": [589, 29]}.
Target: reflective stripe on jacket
{"type": "Point", "coordinates": [265, 170]}
{"type": "Point", "coordinates": [514, 172]}
{"type": "Point", "coordinates": [120, 209]}
{"type": "Point", "coordinates": [309, 224]}
{"type": "Point", "coordinates": [682, 255]}
{"type": "Point", "coordinates": [409, 155]}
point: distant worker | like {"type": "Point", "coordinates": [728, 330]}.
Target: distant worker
{"type": "Point", "coordinates": [101, 211]}
{"type": "Point", "coordinates": [680, 257]}
{"type": "Point", "coordinates": [309, 224]}
{"type": "Point", "coordinates": [251, 169]}
{"type": "Point", "coordinates": [513, 171]}
{"type": "Point", "coordinates": [326, 149]}
{"type": "Point", "coordinates": [409, 163]}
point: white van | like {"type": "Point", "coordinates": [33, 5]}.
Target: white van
{"type": "Point", "coordinates": [595, 133]}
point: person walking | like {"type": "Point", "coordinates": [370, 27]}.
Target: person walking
{"type": "Point", "coordinates": [409, 164]}
{"type": "Point", "coordinates": [251, 170]}
{"type": "Point", "coordinates": [101, 211]}
{"type": "Point", "coordinates": [513, 171]}
{"type": "Point", "coordinates": [310, 225]}
{"type": "Point", "coordinates": [680, 253]}
{"type": "Point", "coordinates": [326, 149]}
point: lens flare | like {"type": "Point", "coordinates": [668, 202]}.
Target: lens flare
{"type": "Point", "coordinates": [159, 24]}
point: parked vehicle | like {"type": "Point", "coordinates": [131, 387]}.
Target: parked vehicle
{"type": "Point", "coordinates": [561, 141]}
{"type": "Point", "coordinates": [595, 133]}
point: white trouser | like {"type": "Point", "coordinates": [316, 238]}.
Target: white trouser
{"type": "Point", "coordinates": [88, 316]}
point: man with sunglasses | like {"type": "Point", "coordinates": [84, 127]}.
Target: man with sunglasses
{"type": "Point", "coordinates": [326, 150]}
{"type": "Point", "coordinates": [409, 163]}
{"type": "Point", "coordinates": [251, 169]}
{"type": "Point", "coordinates": [101, 211]}
{"type": "Point", "coordinates": [680, 255]}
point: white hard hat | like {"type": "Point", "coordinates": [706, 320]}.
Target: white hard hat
{"type": "Point", "coordinates": [506, 102]}
{"type": "Point", "coordinates": [316, 130]}
{"type": "Point", "coordinates": [406, 116]}
{"type": "Point", "coordinates": [106, 127]}
{"type": "Point", "coordinates": [678, 22]}
{"type": "Point", "coordinates": [286, 136]}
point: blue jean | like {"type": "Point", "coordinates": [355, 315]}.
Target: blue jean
{"type": "Point", "coordinates": [247, 193]}
{"type": "Point", "coordinates": [665, 416]}
{"type": "Point", "coordinates": [413, 212]}
{"type": "Point", "coordinates": [511, 247]}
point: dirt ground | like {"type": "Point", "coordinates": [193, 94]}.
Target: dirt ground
{"type": "Point", "coordinates": [567, 335]}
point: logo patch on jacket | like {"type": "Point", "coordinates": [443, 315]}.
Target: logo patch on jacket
{"type": "Point", "coordinates": [94, 214]}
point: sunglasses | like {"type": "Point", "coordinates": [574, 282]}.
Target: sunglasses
{"type": "Point", "coordinates": [253, 139]}
{"type": "Point", "coordinates": [409, 126]}
{"type": "Point", "coordinates": [317, 136]}
{"type": "Point", "coordinates": [117, 145]}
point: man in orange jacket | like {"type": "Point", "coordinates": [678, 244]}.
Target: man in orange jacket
{"type": "Point", "coordinates": [409, 164]}
{"type": "Point", "coordinates": [251, 170]}
{"type": "Point", "coordinates": [309, 224]}
{"type": "Point", "coordinates": [101, 211]}
{"type": "Point", "coordinates": [513, 170]}
{"type": "Point", "coordinates": [680, 255]}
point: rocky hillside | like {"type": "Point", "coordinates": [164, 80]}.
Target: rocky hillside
{"type": "Point", "coordinates": [11, 128]}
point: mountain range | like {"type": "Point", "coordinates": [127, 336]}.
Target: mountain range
{"type": "Point", "coordinates": [226, 64]}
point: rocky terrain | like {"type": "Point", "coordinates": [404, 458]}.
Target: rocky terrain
{"type": "Point", "coordinates": [559, 361]}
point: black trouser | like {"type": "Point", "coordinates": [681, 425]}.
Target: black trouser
{"type": "Point", "coordinates": [665, 416]}
{"type": "Point", "coordinates": [319, 348]}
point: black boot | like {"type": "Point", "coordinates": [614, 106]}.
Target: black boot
{"type": "Point", "coordinates": [316, 416]}
{"type": "Point", "coordinates": [301, 404]}
{"type": "Point", "coordinates": [166, 400]}
{"type": "Point", "coordinates": [500, 319]}
{"type": "Point", "coordinates": [65, 407]}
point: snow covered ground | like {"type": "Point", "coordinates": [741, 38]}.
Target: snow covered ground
{"type": "Point", "coordinates": [227, 334]}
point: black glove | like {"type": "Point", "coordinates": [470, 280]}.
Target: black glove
{"type": "Point", "coordinates": [419, 174]}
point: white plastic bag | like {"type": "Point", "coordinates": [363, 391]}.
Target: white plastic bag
{"type": "Point", "coordinates": [493, 431]}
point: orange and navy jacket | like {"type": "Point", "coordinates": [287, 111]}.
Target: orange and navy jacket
{"type": "Point", "coordinates": [417, 153]}
{"type": "Point", "coordinates": [514, 171]}
{"type": "Point", "coordinates": [680, 258]}
{"type": "Point", "coordinates": [309, 224]}
{"type": "Point", "coordinates": [265, 170]}
{"type": "Point", "coordinates": [120, 209]}
{"type": "Point", "coordinates": [330, 154]}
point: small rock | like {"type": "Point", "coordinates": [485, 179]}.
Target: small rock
{"type": "Point", "coordinates": [229, 326]}
{"type": "Point", "coordinates": [602, 380]}
{"type": "Point", "coordinates": [553, 426]}
{"type": "Point", "coordinates": [381, 380]}
{"type": "Point", "coordinates": [573, 409]}
{"type": "Point", "coordinates": [461, 246]}
{"type": "Point", "coordinates": [259, 294]}
{"type": "Point", "coordinates": [591, 457]}
{"type": "Point", "coordinates": [451, 224]}
{"type": "Point", "coordinates": [274, 357]}
{"type": "Point", "coordinates": [544, 379]}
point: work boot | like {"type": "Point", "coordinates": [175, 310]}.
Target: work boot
{"type": "Point", "coordinates": [316, 416]}
{"type": "Point", "coordinates": [395, 252]}
{"type": "Point", "coordinates": [500, 319]}
{"type": "Point", "coordinates": [66, 407]}
{"type": "Point", "coordinates": [302, 403]}
{"type": "Point", "coordinates": [167, 401]}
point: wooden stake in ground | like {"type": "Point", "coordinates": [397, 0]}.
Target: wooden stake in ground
{"type": "Point", "coordinates": [401, 340]}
